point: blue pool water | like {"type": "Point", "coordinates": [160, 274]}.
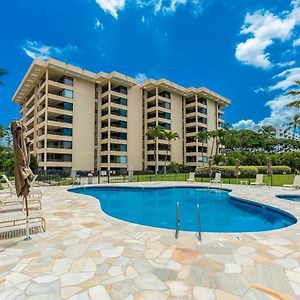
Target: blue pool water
{"type": "Point", "coordinates": [295, 198]}
{"type": "Point", "coordinates": [156, 207]}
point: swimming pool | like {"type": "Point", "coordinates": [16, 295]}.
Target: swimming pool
{"type": "Point", "coordinates": [156, 207]}
{"type": "Point", "coordinates": [295, 198]}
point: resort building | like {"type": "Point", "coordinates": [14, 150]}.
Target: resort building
{"type": "Point", "coordinates": [286, 134]}
{"type": "Point", "coordinates": [88, 121]}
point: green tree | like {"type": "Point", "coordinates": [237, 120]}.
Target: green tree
{"type": "Point", "coordinates": [2, 73]}
{"type": "Point", "coordinates": [268, 130]}
{"type": "Point", "coordinates": [169, 136]}
{"type": "Point", "coordinates": [154, 133]}
{"type": "Point", "coordinates": [295, 103]}
{"type": "Point", "coordinates": [2, 131]}
{"type": "Point", "coordinates": [212, 135]}
{"type": "Point", "coordinates": [294, 125]}
{"type": "Point", "coordinates": [202, 137]}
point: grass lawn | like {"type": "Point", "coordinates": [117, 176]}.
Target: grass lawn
{"type": "Point", "coordinates": [277, 179]}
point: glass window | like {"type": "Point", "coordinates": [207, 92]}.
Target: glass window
{"type": "Point", "coordinates": [68, 106]}
{"type": "Point", "coordinates": [123, 112]}
{"type": "Point", "coordinates": [123, 159]}
{"type": "Point", "coordinates": [67, 80]}
{"type": "Point", "coordinates": [67, 131]}
{"type": "Point", "coordinates": [67, 94]}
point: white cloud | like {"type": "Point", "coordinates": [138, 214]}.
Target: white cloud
{"type": "Point", "coordinates": [140, 77]}
{"type": "Point", "coordinates": [286, 79]}
{"type": "Point", "coordinates": [296, 42]}
{"type": "Point", "coordinates": [143, 20]}
{"type": "Point", "coordinates": [245, 124]}
{"type": "Point", "coordinates": [38, 50]}
{"type": "Point", "coordinates": [286, 64]}
{"type": "Point", "coordinates": [111, 6]}
{"type": "Point", "coordinates": [170, 6]}
{"type": "Point", "coordinates": [259, 90]}
{"type": "Point", "coordinates": [99, 25]}
{"type": "Point", "coordinates": [264, 28]}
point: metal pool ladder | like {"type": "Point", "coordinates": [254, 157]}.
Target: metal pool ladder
{"type": "Point", "coordinates": [177, 219]}
{"type": "Point", "coordinates": [198, 234]}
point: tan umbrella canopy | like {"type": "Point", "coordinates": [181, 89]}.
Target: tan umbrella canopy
{"type": "Point", "coordinates": [23, 174]}
{"type": "Point", "coordinates": [269, 168]}
{"type": "Point", "coordinates": [237, 168]}
{"type": "Point", "coordinates": [209, 167]}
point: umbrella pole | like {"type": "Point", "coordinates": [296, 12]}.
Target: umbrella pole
{"type": "Point", "coordinates": [27, 220]}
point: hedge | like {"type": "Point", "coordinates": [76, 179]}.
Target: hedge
{"type": "Point", "coordinates": [275, 169]}
{"type": "Point", "coordinates": [227, 171]}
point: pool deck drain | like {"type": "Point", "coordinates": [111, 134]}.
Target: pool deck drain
{"type": "Point", "coordinates": [86, 254]}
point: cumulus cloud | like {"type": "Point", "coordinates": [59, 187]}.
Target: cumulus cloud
{"type": "Point", "coordinates": [35, 49]}
{"type": "Point", "coordinates": [280, 114]}
{"type": "Point", "coordinates": [286, 79]}
{"type": "Point", "coordinates": [245, 124]}
{"type": "Point", "coordinates": [140, 77]}
{"type": "Point", "coordinates": [264, 28]}
{"type": "Point", "coordinates": [111, 6]}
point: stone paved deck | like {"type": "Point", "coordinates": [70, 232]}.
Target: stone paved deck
{"type": "Point", "coordinates": [85, 254]}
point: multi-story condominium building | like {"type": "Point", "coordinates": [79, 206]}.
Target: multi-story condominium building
{"type": "Point", "coordinates": [85, 121]}
{"type": "Point", "coordinates": [286, 134]}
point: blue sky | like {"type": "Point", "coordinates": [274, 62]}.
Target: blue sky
{"type": "Point", "coordinates": [247, 51]}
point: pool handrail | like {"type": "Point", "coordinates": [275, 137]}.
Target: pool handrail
{"type": "Point", "coordinates": [199, 235]}
{"type": "Point", "coordinates": [177, 219]}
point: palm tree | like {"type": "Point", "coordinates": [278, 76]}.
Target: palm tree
{"type": "Point", "coordinates": [220, 135]}
{"type": "Point", "coordinates": [2, 132]}
{"type": "Point", "coordinates": [202, 137]}
{"type": "Point", "coordinates": [294, 125]}
{"type": "Point", "coordinates": [169, 136]}
{"type": "Point", "coordinates": [212, 135]}
{"type": "Point", "coordinates": [2, 73]}
{"type": "Point", "coordinates": [295, 103]}
{"type": "Point", "coordinates": [154, 133]}
{"type": "Point", "coordinates": [267, 130]}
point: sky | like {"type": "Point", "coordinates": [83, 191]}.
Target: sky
{"type": "Point", "coordinates": [247, 51]}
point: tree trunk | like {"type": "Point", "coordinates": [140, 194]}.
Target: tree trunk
{"type": "Point", "coordinates": [202, 153]}
{"type": "Point", "coordinates": [165, 166]}
{"type": "Point", "coordinates": [212, 147]}
{"type": "Point", "coordinates": [155, 154]}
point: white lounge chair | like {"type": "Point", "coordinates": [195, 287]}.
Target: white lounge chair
{"type": "Point", "coordinates": [17, 220]}
{"type": "Point", "coordinates": [34, 194]}
{"type": "Point", "coordinates": [259, 180]}
{"type": "Point", "coordinates": [295, 185]}
{"type": "Point", "coordinates": [217, 179]}
{"type": "Point", "coordinates": [6, 204]}
{"type": "Point", "coordinates": [191, 177]}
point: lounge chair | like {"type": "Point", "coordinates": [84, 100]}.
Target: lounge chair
{"type": "Point", "coordinates": [191, 177]}
{"type": "Point", "coordinates": [259, 180]}
{"type": "Point", "coordinates": [217, 179]}
{"type": "Point", "coordinates": [37, 194]}
{"type": "Point", "coordinates": [17, 220]}
{"type": "Point", "coordinates": [9, 204]}
{"type": "Point", "coordinates": [295, 185]}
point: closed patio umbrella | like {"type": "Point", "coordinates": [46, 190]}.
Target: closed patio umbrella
{"type": "Point", "coordinates": [23, 174]}
{"type": "Point", "coordinates": [237, 169]}
{"type": "Point", "coordinates": [269, 169]}
{"type": "Point", "coordinates": [210, 167]}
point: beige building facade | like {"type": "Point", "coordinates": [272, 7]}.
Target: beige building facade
{"type": "Point", "coordinates": [84, 121]}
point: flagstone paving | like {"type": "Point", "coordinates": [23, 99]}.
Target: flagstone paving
{"type": "Point", "coordinates": [85, 254]}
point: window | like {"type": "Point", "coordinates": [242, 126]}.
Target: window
{"type": "Point", "coordinates": [202, 101]}
{"type": "Point", "coordinates": [67, 80]}
{"type": "Point", "coordinates": [67, 131]}
{"type": "Point", "coordinates": [202, 110]}
{"type": "Point", "coordinates": [66, 93]}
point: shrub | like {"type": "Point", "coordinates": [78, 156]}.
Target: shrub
{"type": "Point", "coordinates": [227, 171]}
{"type": "Point", "coordinates": [275, 169]}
